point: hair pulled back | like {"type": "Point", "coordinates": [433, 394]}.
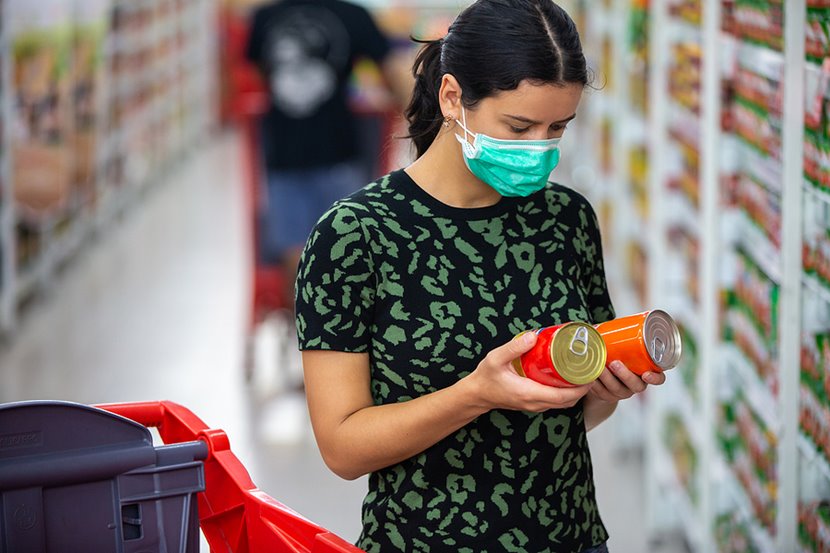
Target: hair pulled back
{"type": "Point", "coordinates": [493, 46]}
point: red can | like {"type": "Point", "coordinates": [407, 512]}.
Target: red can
{"type": "Point", "coordinates": [648, 341]}
{"type": "Point", "coordinates": [567, 355]}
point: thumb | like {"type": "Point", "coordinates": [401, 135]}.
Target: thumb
{"type": "Point", "coordinates": [514, 348]}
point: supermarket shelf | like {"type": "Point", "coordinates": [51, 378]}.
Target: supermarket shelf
{"type": "Point", "coordinates": [684, 405]}
{"type": "Point", "coordinates": [764, 169]}
{"type": "Point", "coordinates": [686, 123]}
{"type": "Point", "coordinates": [808, 449]}
{"type": "Point", "coordinates": [816, 287]}
{"type": "Point", "coordinates": [755, 243]}
{"type": "Point", "coordinates": [816, 193]}
{"type": "Point", "coordinates": [684, 214]}
{"type": "Point", "coordinates": [684, 508]}
{"type": "Point", "coordinates": [681, 30]}
{"type": "Point", "coordinates": [760, 399]}
{"type": "Point", "coordinates": [761, 60]}
{"type": "Point", "coordinates": [735, 491]}
{"type": "Point", "coordinates": [154, 105]}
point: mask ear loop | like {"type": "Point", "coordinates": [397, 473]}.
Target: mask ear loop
{"type": "Point", "coordinates": [463, 124]}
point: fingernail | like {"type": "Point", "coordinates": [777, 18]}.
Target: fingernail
{"type": "Point", "coordinates": [528, 337]}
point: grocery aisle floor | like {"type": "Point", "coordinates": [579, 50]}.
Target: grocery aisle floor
{"type": "Point", "coordinates": [157, 310]}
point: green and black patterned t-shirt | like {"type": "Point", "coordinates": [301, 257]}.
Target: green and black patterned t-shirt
{"type": "Point", "coordinates": [427, 290]}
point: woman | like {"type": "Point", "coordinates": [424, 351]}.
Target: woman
{"type": "Point", "coordinates": [411, 290]}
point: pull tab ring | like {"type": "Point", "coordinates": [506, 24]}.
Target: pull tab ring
{"type": "Point", "coordinates": [581, 338]}
{"type": "Point", "coordinates": [658, 349]}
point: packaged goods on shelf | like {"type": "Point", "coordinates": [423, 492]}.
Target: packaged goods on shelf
{"type": "Point", "coordinates": [750, 449]}
{"type": "Point", "coordinates": [687, 10]}
{"type": "Point", "coordinates": [760, 22]}
{"type": "Point", "coordinates": [637, 265]}
{"type": "Point", "coordinates": [733, 534]}
{"type": "Point", "coordinates": [817, 40]}
{"type": "Point", "coordinates": [638, 178]}
{"type": "Point", "coordinates": [684, 75]}
{"type": "Point", "coordinates": [638, 44]}
{"type": "Point", "coordinates": [814, 526]}
{"type": "Point", "coordinates": [814, 402]}
{"type": "Point", "coordinates": [687, 246]}
{"type": "Point", "coordinates": [678, 442]}
{"type": "Point", "coordinates": [101, 93]}
{"type": "Point", "coordinates": [90, 19]}
{"type": "Point", "coordinates": [728, 17]}
{"type": "Point", "coordinates": [758, 297]}
{"type": "Point", "coordinates": [688, 366]}
{"type": "Point", "coordinates": [41, 50]}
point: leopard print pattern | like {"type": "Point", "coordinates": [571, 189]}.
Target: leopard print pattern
{"type": "Point", "coordinates": [427, 290]}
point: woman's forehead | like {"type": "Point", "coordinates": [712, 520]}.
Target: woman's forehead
{"type": "Point", "coordinates": [546, 102]}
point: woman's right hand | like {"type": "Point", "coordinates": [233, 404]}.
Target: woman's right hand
{"type": "Point", "coordinates": [496, 384]}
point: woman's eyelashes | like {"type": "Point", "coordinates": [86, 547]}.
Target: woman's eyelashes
{"type": "Point", "coordinates": [522, 130]}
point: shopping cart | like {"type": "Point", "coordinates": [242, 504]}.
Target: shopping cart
{"type": "Point", "coordinates": [120, 475]}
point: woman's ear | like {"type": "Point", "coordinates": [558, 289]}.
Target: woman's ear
{"type": "Point", "coordinates": [449, 96]}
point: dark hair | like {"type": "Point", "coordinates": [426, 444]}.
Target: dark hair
{"type": "Point", "coordinates": [493, 46]}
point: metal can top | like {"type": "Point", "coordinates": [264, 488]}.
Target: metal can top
{"type": "Point", "coordinates": [662, 338]}
{"type": "Point", "coordinates": [578, 353]}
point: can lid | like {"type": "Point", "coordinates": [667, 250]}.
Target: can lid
{"type": "Point", "coordinates": [578, 353]}
{"type": "Point", "coordinates": [662, 338]}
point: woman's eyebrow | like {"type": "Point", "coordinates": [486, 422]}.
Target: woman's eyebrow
{"type": "Point", "coordinates": [532, 122]}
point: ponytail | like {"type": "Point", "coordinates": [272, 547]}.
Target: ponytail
{"type": "Point", "coordinates": [424, 112]}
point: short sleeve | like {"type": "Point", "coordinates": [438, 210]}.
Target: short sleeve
{"type": "Point", "coordinates": [370, 41]}
{"type": "Point", "coordinates": [594, 284]}
{"type": "Point", "coordinates": [336, 284]}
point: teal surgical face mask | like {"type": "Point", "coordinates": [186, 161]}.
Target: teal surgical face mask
{"type": "Point", "coordinates": [511, 167]}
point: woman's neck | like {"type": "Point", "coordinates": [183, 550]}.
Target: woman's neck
{"type": "Point", "coordinates": [442, 173]}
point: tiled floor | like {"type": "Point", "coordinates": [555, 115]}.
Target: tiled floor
{"type": "Point", "coordinates": [157, 310]}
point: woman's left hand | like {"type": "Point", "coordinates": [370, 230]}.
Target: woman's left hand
{"type": "Point", "coordinates": [617, 382]}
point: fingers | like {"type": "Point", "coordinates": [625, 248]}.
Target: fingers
{"type": "Point", "coordinates": [513, 349]}
{"type": "Point", "coordinates": [617, 382]}
{"type": "Point", "coordinates": [539, 397]}
{"type": "Point", "coordinates": [655, 379]}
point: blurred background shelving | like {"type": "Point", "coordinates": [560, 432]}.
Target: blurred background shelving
{"type": "Point", "coordinates": [703, 144]}
{"type": "Point", "coordinates": [99, 97]}
{"type": "Point", "coordinates": [734, 243]}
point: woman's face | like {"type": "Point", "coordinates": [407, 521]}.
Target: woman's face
{"type": "Point", "coordinates": [530, 112]}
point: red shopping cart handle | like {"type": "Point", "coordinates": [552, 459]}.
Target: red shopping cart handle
{"type": "Point", "coordinates": [234, 515]}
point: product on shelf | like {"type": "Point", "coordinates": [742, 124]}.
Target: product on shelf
{"type": "Point", "coordinates": [733, 535]}
{"type": "Point", "coordinates": [41, 50]}
{"type": "Point", "coordinates": [88, 43]}
{"type": "Point", "coordinates": [678, 442]}
{"type": "Point", "coordinates": [814, 526]}
{"type": "Point", "coordinates": [684, 75]}
{"type": "Point", "coordinates": [760, 22]}
{"type": "Point", "coordinates": [688, 10]}
{"type": "Point", "coordinates": [688, 366]}
{"type": "Point", "coordinates": [749, 448]}
{"type": "Point", "coordinates": [638, 44]}
{"type": "Point", "coordinates": [636, 267]}
{"type": "Point", "coordinates": [815, 391]}
{"type": "Point", "coordinates": [638, 178]}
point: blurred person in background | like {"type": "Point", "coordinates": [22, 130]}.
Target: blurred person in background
{"type": "Point", "coordinates": [306, 51]}
{"type": "Point", "coordinates": [410, 293]}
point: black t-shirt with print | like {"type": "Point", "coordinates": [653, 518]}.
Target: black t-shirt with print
{"type": "Point", "coordinates": [427, 290]}
{"type": "Point", "coordinates": [306, 50]}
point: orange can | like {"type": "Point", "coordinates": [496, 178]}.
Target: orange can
{"type": "Point", "coordinates": [566, 355]}
{"type": "Point", "coordinates": [648, 341]}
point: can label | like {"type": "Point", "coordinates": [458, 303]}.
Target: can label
{"type": "Point", "coordinates": [648, 341]}
{"type": "Point", "coordinates": [565, 355]}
